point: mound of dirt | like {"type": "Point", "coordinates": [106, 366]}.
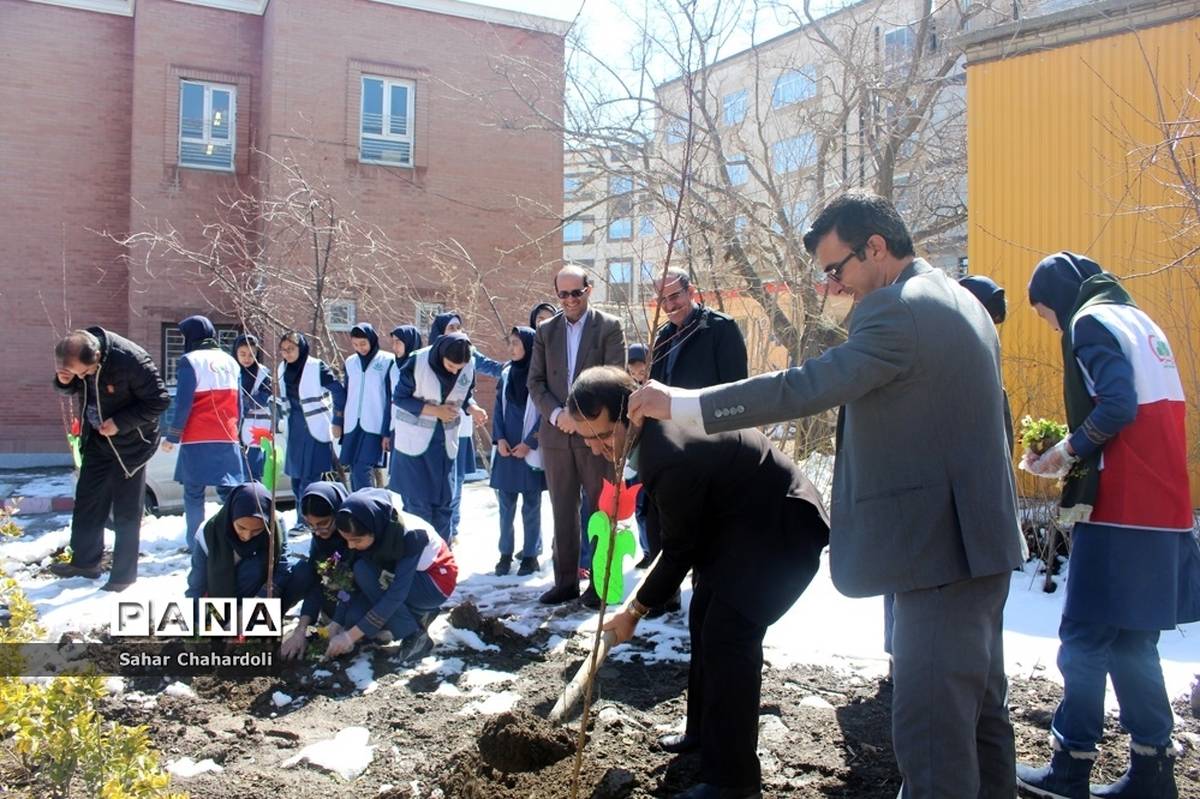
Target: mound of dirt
{"type": "Point", "coordinates": [494, 631]}
{"type": "Point", "coordinates": [517, 741]}
{"type": "Point", "coordinates": [521, 756]}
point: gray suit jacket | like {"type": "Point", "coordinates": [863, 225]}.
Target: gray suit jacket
{"type": "Point", "coordinates": [602, 344]}
{"type": "Point", "coordinates": [923, 488]}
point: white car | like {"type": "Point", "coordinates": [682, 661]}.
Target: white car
{"type": "Point", "coordinates": [164, 495]}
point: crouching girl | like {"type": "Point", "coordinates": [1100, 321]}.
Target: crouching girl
{"type": "Point", "coordinates": [329, 559]}
{"type": "Point", "coordinates": [230, 554]}
{"type": "Point", "coordinates": [402, 577]}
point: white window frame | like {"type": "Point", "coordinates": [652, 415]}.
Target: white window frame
{"type": "Point", "coordinates": [786, 90]}
{"type": "Point", "coordinates": [350, 307]}
{"type": "Point", "coordinates": [386, 119]}
{"type": "Point", "coordinates": [736, 166]}
{"type": "Point", "coordinates": [616, 220]}
{"type": "Point", "coordinates": [206, 140]}
{"type": "Point", "coordinates": [424, 313]}
{"type": "Point", "coordinates": [739, 101]}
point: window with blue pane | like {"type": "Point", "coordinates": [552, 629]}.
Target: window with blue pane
{"type": "Point", "coordinates": [649, 273]}
{"type": "Point", "coordinates": [620, 278]}
{"type": "Point", "coordinates": [620, 184]}
{"type": "Point", "coordinates": [794, 86]}
{"type": "Point", "coordinates": [791, 154]}
{"type": "Point", "coordinates": [737, 169]}
{"type": "Point", "coordinates": [645, 227]}
{"type": "Point", "coordinates": [386, 121]}
{"type": "Point", "coordinates": [571, 184]}
{"type": "Point", "coordinates": [207, 128]}
{"type": "Point", "coordinates": [573, 232]}
{"type": "Point", "coordinates": [620, 229]}
{"type": "Point", "coordinates": [734, 107]}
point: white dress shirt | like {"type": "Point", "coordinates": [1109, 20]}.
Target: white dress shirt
{"type": "Point", "coordinates": [574, 336]}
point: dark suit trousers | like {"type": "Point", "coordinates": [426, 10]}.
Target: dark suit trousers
{"type": "Point", "coordinates": [103, 487]}
{"type": "Point", "coordinates": [724, 688]}
{"type": "Point", "coordinates": [568, 470]}
{"type": "Point", "coordinates": [950, 726]}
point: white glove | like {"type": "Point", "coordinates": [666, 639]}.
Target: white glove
{"type": "Point", "coordinates": [1053, 464]}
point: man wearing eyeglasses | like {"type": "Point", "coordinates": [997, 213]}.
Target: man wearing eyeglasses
{"type": "Point", "coordinates": [924, 504]}
{"type": "Point", "coordinates": [578, 338]}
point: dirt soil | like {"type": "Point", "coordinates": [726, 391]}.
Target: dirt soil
{"type": "Point", "coordinates": [823, 733]}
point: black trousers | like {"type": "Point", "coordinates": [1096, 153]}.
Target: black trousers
{"type": "Point", "coordinates": [104, 488]}
{"type": "Point", "coordinates": [724, 688]}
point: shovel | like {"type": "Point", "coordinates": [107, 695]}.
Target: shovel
{"type": "Point", "coordinates": [575, 688]}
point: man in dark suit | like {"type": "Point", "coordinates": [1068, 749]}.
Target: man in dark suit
{"type": "Point", "coordinates": [924, 500]}
{"type": "Point", "coordinates": [565, 345]}
{"type": "Point", "coordinates": [697, 347]}
{"type": "Point", "coordinates": [751, 527]}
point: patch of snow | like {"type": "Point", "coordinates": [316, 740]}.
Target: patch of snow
{"type": "Point", "coordinates": [466, 639]}
{"type": "Point", "coordinates": [115, 685]}
{"type": "Point", "coordinates": [362, 675]}
{"type": "Point", "coordinates": [447, 689]}
{"type": "Point", "coordinates": [491, 704]}
{"type": "Point", "coordinates": [812, 700]}
{"type": "Point", "coordinates": [320, 674]}
{"type": "Point", "coordinates": [280, 699]}
{"type": "Point", "coordinates": [347, 754]}
{"type": "Point", "coordinates": [185, 767]}
{"type": "Point", "coordinates": [51, 485]}
{"type": "Point", "coordinates": [180, 689]}
{"type": "Point", "coordinates": [482, 678]}
{"type": "Point", "coordinates": [524, 628]}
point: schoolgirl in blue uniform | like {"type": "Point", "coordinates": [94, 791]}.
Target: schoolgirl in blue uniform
{"type": "Point", "coordinates": [314, 400]}
{"type": "Point", "coordinates": [320, 502]}
{"type": "Point", "coordinates": [254, 401]}
{"type": "Point", "coordinates": [402, 576]}
{"type": "Point", "coordinates": [370, 375]}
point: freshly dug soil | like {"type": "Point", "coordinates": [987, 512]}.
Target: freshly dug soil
{"type": "Point", "coordinates": [520, 741]}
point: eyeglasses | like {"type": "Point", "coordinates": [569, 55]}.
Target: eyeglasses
{"type": "Point", "coordinates": [834, 271]}
{"type": "Point", "coordinates": [576, 293]}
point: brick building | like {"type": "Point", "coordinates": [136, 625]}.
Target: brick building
{"type": "Point", "coordinates": [127, 115]}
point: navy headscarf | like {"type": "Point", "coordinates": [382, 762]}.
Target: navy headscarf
{"type": "Point", "coordinates": [438, 328]}
{"type": "Point", "coordinates": [248, 500]}
{"type": "Point", "coordinates": [1056, 281]}
{"type": "Point", "coordinates": [323, 498]}
{"type": "Point", "coordinates": [371, 509]}
{"type": "Point", "coordinates": [989, 294]}
{"type": "Point", "coordinates": [637, 353]}
{"type": "Point", "coordinates": [198, 332]}
{"type": "Point", "coordinates": [292, 371]}
{"type": "Point", "coordinates": [366, 330]}
{"type": "Point", "coordinates": [249, 374]}
{"type": "Point", "coordinates": [410, 336]}
{"type": "Point", "coordinates": [516, 390]}
{"type": "Point", "coordinates": [541, 306]}
{"type": "Point", "coordinates": [437, 351]}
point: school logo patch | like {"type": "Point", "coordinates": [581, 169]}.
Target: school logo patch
{"type": "Point", "coordinates": [1162, 351]}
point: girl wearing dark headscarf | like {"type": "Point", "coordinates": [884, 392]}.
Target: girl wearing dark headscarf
{"type": "Point", "coordinates": [516, 464]}
{"type": "Point", "coordinates": [320, 502]}
{"type": "Point", "coordinates": [254, 401]}
{"type": "Point", "coordinates": [229, 558]}
{"type": "Point", "coordinates": [406, 340]}
{"type": "Point", "coordinates": [315, 401]}
{"type": "Point", "coordinates": [402, 576]}
{"type": "Point", "coordinates": [540, 313]}
{"type": "Point", "coordinates": [205, 422]}
{"type": "Point", "coordinates": [370, 375]}
{"type": "Point", "coordinates": [432, 388]}
{"type": "Point", "coordinates": [1135, 566]}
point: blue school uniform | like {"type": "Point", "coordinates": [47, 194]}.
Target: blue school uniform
{"type": "Point", "coordinates": [368, 411]}
{"type": "Point", "coordinates": [308, 384]}
{"type": "Point", "coordinates": [254, 405]}
{"type": "Point", "coordinates": [516, 421]}
{"type": "Point", "coordinates": [305, 579]}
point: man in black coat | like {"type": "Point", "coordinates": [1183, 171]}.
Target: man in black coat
{"type": "Point", "coordinates": [697, 347]}
{"type": "Point", "coordinates": [741, 516]}
{"type": "Point", "coordinates": [121, 395]}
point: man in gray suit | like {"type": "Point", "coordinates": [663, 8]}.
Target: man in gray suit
{"type": "Point", "coordinates": [565, 345]}
{"type": "Point", "coordinates": [924, 504]}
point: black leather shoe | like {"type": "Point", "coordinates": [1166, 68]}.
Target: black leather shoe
{"type": "Point", "coordinates": [528, 566]}
{"type": "Point", "coordinates": [590, 598]}
{"type": "Point", "coordinates": [702, 790]}
{"type": "Point", "coordinates": [559, 596]}
{"type": "Point", "coordinates": [644, 563]}
{"type": "Point", "coordinates": [678, 744]}
{"type": "Point", "coordinates": [504, 565]}
{"type": "Point", "coordinates": [71, 570]}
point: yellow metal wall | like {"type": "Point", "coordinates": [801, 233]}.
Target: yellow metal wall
{"type": "Point", "coordinates": [1062, 154]}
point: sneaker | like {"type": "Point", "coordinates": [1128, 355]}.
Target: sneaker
{"type": "Point", "coordinates": [415, 647]}
{"type": "Point", "coordinates": [504, 565]}
{"type": "Point", "coordinates": [528, 566]}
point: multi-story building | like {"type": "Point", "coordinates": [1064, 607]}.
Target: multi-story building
{"type": "Point", "coordinates": [127, 117]}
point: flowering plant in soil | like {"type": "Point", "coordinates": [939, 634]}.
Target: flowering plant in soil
{"type": "Point", "coordinates": [1040, 435]}
{"type": "Point", "coordinates": [336, 577]}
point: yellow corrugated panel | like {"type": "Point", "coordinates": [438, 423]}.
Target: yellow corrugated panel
{"type": "Point", "coordinates": [1064, 153]}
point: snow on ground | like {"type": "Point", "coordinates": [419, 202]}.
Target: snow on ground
{"type": "Point", "coordinates": [347, 754]}
{"type": "Point", "coordinates": [823, 628]}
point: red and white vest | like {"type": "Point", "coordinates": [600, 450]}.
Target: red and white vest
{"type": "Point", "coordinates": [214, 414]}
{"type": "Point", "coordinates": [1143, 470]}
